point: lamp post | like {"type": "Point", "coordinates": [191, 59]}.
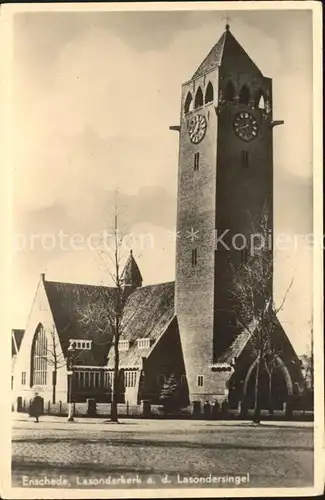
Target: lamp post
{"type": "Point", "coordinates": [71, 351]}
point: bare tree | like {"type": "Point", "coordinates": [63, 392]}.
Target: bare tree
{"type": "Point", "coordinates": [107, 306]}
{"type": "Point", "coordinates": [256, 310]}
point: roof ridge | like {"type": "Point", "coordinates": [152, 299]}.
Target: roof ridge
{"type": "Point", "coordinates": [217, 48]}
{"type": "Point", "coordinates": [157, 284]}
{"type": "Point", "coordinates": [77, 284]}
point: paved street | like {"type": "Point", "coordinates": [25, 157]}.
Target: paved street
{"type": "Point", "coordinates": [272, 454]}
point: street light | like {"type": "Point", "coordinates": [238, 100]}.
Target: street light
{"type": "Point", "coordinates": [71, 351]}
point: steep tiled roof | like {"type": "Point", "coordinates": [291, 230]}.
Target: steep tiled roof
{"type": "Point", "coordinates": [213, 58]}
{"type": "Point", "coordinates": [82, 312]}
{"type": "Point", "coordinates": [226, 49]}
{"type": "Point", "coordinates": [16, 338]}
{"type": "Point", "coordinates": [148, 313]}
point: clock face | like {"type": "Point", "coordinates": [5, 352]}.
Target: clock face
{"type": "Point", "coordinates": [245, 126]}
{"type": "Point", "coordinates": [197, 128]}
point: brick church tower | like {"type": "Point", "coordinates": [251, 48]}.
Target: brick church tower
{"type": "Point", "coordinates": [225, 179]}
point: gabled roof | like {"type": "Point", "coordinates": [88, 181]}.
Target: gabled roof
{"type": "Point", "coordinates": [82, 312]}
{"type": "Point", "coordinates": [131, 274]}
{"type": "Point", "coordinates": [235, 348]}
{"type": "Point", "coordinates": [16, 338]}
{"type": "Point", "coordinates": [148, 313]}
{"type": "Point", "coordinates": [227, 49]}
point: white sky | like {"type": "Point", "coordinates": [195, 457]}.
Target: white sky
{"type": "Point", "coordinates": [95, 94]}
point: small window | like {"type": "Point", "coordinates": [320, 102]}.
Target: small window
{"type": "Point", "coordinates": [196, 161]}
{"type": "Point", "coordinates": [108, 380]}
{"type": "Point", "coordinates": [244, 159]}
{"type": "Point", "coordinates": [81, 344]}
{"type": "Point", "coordinates": [123, 345]}
{"type": "Point", "coordinates": [130, 379]}
{"type": "Point", "coordinates": [194, 257]}
{"type": "Point", "coordinates": [23, 378]}
{"type": "Point", "coordinates": [200, 380]}
{"type": "Point", "coordinates": [143, 343]}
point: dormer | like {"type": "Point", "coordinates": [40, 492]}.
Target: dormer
{"type": "Point", "coordinates": [124, 345]}
{"type": "Point", "coordinates": [81, 344]}
{"type": "Point", "coordinates": [143, 343]}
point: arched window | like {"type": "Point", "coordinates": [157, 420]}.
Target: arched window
{"type": "Point", "coordinates": [198, 98]}
{"type": "Point", "coordinates": [39, 358]}
{"type": "Point", "coordinates": [188, 103]}
{"type": "Point", "coordinates": [260, 100]}
{"type": "Point", "coordinates": [244, 95]}
{"type": "Point", "coordinates": [229, 92]}
{"type": "Point", "coordinates": [209, 93]}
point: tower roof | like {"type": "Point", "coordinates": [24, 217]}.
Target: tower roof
{"type": "Point", "coordinates": [226, 50]}
{"type": "Point", "coordinates": [131, 273]}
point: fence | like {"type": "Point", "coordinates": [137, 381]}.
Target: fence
{"type": "Point", "coordinates": [145, 410]}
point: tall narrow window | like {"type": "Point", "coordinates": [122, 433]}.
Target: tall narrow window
{"type": "Point", "coordinates": [194, 257]}
{"type": "Point", "coordinates": [244, 159]}
{"type": "Point", "coordinates": [23, 378]}
{"type": "Point", "coordinates": [261, 102]}
{"type": "Point", "coordinates": [198, 98]}
{"type": "Point", "coordinates": [209, 93]}
{"type": "Point", "coordinates": [200, 380]}
{"type": "Point", "coordinates": [244, 95]}
{"type": "Point", "coordinates": [229, 92]}
{"type": "Point", "coordinates": [260, 99]}
{"type": "Point", "coordinates": [39, 358]}
{"type": "Point", "coordinates": [196, 161]}
{"type": "Point", "coordinates": [188, 103]}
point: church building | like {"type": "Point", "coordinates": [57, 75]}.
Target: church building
{"type": "Point", "coordinates": [187, 328]}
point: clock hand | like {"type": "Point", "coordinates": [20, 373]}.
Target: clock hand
{"type": "Point", "coordinates": [243, 126]}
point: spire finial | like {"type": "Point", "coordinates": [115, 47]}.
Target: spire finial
{"type": "Point", "coordinates": [131, 251]}
{"type": "Point", "coordinates": [226, 18]}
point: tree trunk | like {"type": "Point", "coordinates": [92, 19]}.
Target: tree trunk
{"type": "Point", "coordinates": [54, 375]}
{"type": "Point", "coordinates": [257, 409]}
{"type": "Point", "coordinates": [114, 412]}
{"type": "Point", "coordinates": [270, 394]}
{"type": "Point", "coordinates": [54, 394]}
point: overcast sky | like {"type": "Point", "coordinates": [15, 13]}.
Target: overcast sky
{"type": "Point", "coordinates": [94, 96]}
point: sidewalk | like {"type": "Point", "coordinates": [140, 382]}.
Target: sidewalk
{"type": "Point", "coordinates": [104, 421]}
